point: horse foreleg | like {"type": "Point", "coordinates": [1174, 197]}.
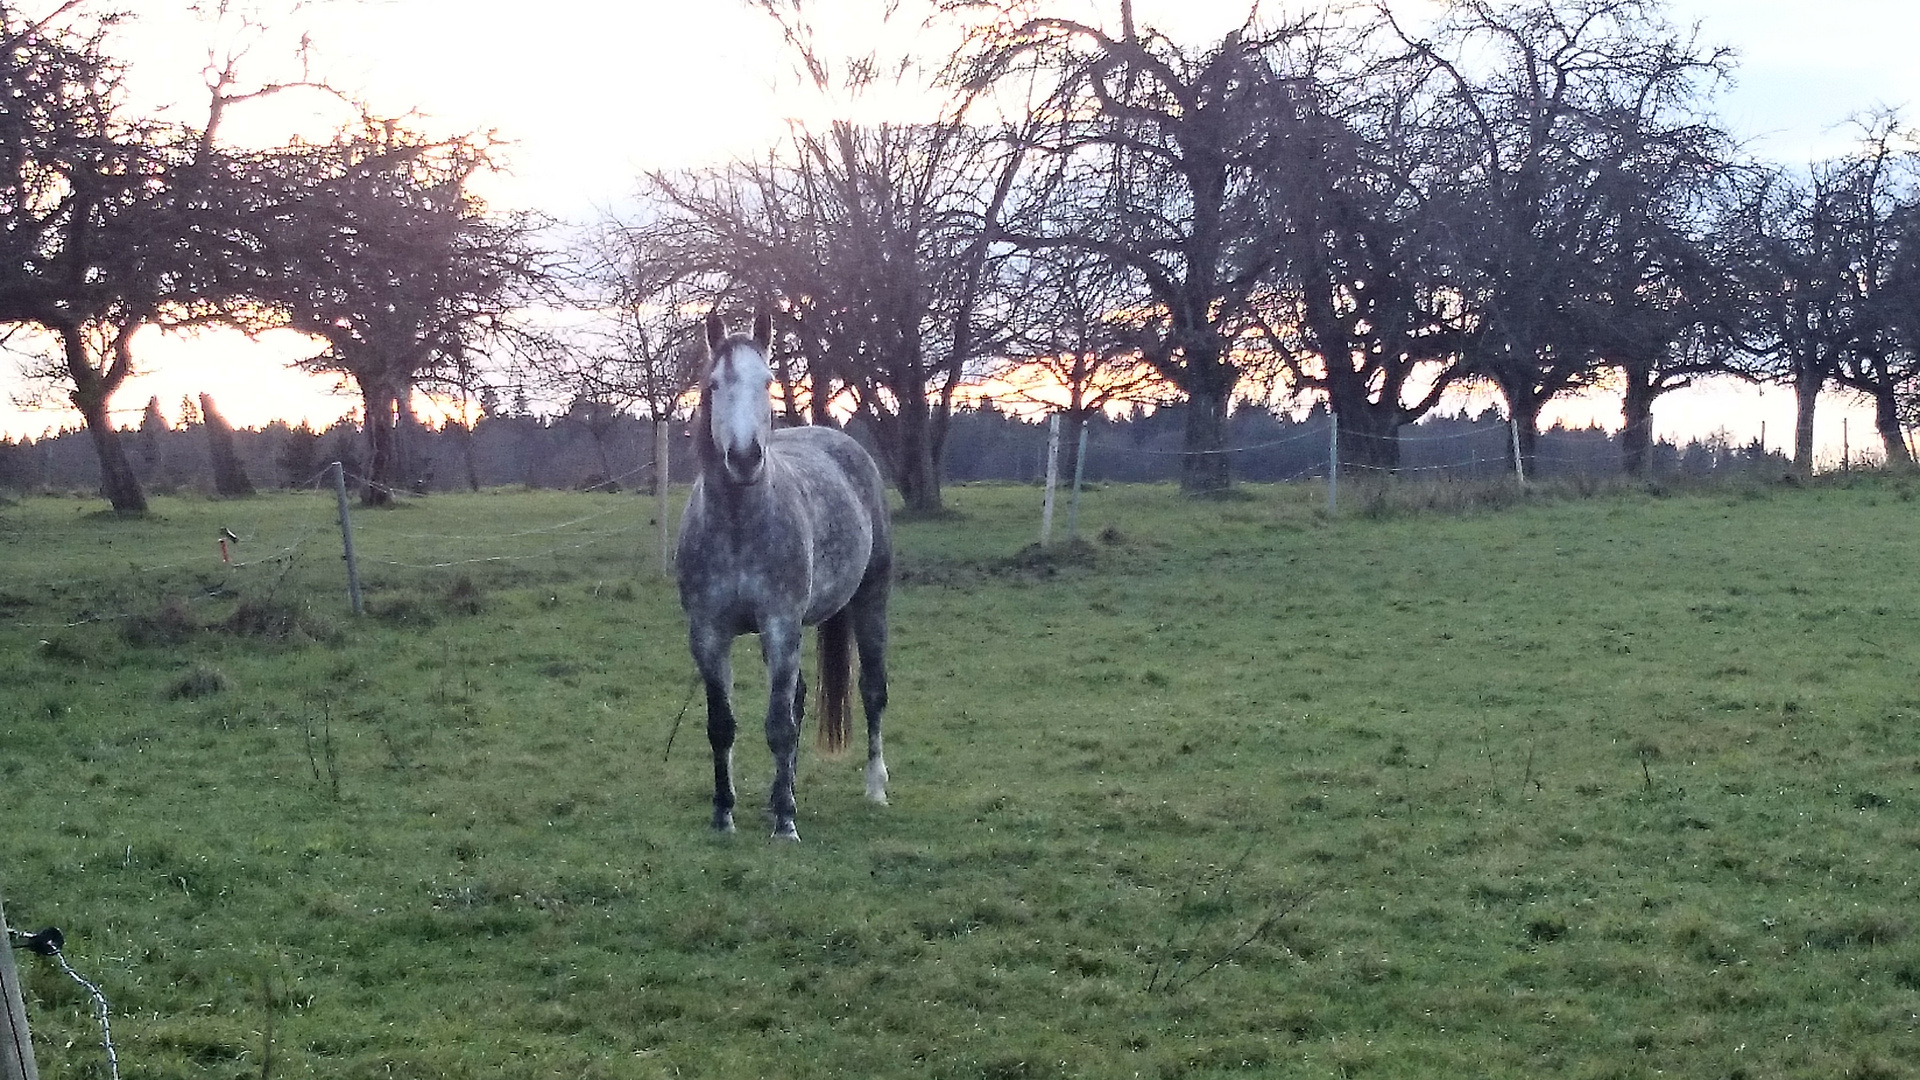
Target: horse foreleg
{"type": "Point", "coordinates": [711, 656]}
{"type": "Point", "coordinates": [780, 645]}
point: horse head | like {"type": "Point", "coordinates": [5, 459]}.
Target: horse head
{"type": "Point", "coordinates": [739, 412]}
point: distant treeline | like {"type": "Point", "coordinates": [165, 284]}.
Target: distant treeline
{"type": "Point", "coordinates": [596, 452]}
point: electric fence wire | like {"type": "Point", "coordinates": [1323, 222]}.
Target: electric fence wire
{"type": "Point", "coordinates": [281, 554]}
{"type": "Point", "coordinates": [287, 548]}
{"type": "Point", "coordinates": [420, 498]}
{"type": "Point", "coordinates": [589, 538]}
{"type": "Point", "coordinates": [1148, 451]}
{"type": "Point", "coordinates": [1411, 446]}
{"type": "Point", "coordinates": [542, 530]}
{"type": "Point", "coordinates": [49, 943]}
{"type": "Point", "coordinates": [548, 552]}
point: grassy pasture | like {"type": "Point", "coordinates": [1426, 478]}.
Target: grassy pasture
{"type": "Point", "coordinates": [1594, 787]}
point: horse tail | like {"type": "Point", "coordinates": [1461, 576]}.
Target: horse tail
{"type": "Point", "coordinates": [836, 681]}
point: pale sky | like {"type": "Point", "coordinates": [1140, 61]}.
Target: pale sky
{"type": "Point", "coordinates": [592, 92]}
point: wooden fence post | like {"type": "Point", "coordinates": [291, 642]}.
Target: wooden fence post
{"type": "Point", "coordinates": [16, 1046]}
{"type": "Point", "coordinates": [346, 538]}
{"type": "Point", "coordinates": [1333, 461]}
{"type": "Point", "coordinates": [1053, 477]}
{"type": "Point", "coordinates": [1519, 465]}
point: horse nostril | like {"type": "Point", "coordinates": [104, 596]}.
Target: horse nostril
{"type": "Point", "coordinates": [745, 460]}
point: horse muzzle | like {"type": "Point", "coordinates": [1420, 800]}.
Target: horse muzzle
{"type": "Point", "coordinates": [745, 465]}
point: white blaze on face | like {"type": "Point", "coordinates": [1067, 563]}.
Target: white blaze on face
{"type": "Point", "coordinates": [742, 411]}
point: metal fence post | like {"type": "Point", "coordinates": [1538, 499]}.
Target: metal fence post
{"type": "Point", "coordinates": [1053, 477]}
{"type": "Point", "coordinates": [1079, 469]}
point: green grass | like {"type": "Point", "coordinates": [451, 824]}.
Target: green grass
{"type": "Point", "coordinates": [1455, 784]}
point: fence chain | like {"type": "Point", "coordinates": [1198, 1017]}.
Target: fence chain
{"type": "Point", "coordinates": [49, 943]}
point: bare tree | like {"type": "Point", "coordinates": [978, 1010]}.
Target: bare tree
{"type": "Point", "coordinates": [1792, 253]}
{"type": "Point", "coordinates": [1826, 265]}
{"type": "Point", "coordinates": [378, 247]}
{"type": "Point", "coordinates": [1203, 139]}
{"type": "Point", "coordinates": [111, 222]}
{"type": "Point", "coordinates": [1882, 358]}
{"type": "Point", "coordinates": [230, 478]}
{"type": "Point", "coordinates": [1069, 345]}
{"type": "Point", "coordinates": [638, 352]}
{"type": "Point", "coordinates": [1537, 110]}
{"type": "Point", "coordinates": [1655, 298]}
{"type": "Point", "coordinates": [876, 240]}
{"type": "Point", "coordinates": [1363, 308]}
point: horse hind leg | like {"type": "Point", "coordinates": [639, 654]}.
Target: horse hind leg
{"type": "Point", "coordinates": [834, 640]}
{"type": "Point", "coordinates": [870, 638]}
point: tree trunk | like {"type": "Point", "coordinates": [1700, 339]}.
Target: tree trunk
{"type": "Point", "coordinates": [821, 385]}
{"type": "Point", "coordinates": [466, 457]}
{"type": "Point", "coordinates": [789, 388]}
{"type": "Point", "coordinates": [1369, 433]}
{"type": "Point", "coordinates": [118, 484]}
{"type": "Point", "coordinates": [918, 474]}
{"type": "Point", "coordinates": [382, 450]}
{"type": "Point", "coordinates": [92, 392]}
{"type": "Point", "coordinates": [1073, 421]}
{"type": "Point", "coordinates": [229, 475]}
{"type": "Point", "coordinates": [409, 442]}
{"type": "Point", "coordinates": [1806, 395]}
{"type": "Point", "coordinates": [600, 433]}
{"type": "Point", "coordinates": [1636, 429]}
{"type": "Point", "coordinates": [1205, 468]}
{"type": "Point", "coordinates": [1526, 432]}
{"type": "Point", "coordinates": [1886, 418]}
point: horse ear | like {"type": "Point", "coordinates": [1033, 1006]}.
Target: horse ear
{"type": "Point", "coordinates": [716, 330]}
{"type": "Point", "coordinates": [763, 327]}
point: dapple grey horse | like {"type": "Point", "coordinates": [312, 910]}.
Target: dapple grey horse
{"type": "Point", "coordinates": [784, 529]}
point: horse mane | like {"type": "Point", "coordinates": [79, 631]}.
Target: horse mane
{"type": "Point", "coordinates": [705, 452]}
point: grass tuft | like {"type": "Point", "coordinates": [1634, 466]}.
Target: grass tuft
{"type": "Point", "coordinates": [464, 596]}
{"type": "Point", "coordinates": [198, 682]}
{"type": "Point", "coordinates": [169, 626]}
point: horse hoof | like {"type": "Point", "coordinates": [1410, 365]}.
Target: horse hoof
{"type": "Point", "coordinates": [786, 831]}
{"type": "Point", "coordinates": [722, 822]}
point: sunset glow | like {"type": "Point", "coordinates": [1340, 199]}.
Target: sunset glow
{"type": "Point", "coordinates": [591, 95]}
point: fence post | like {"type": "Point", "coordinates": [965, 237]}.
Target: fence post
{"type": "Point", "coordinates": [1053, 477]}
{"type": "Point", "coordinates": [346, 537]}
{"type": "Point", "coordinates": [1079, 468]}
{"type": "Point", "coordinates": [1333, 461]}
{"type": "Point", "coordinates": [1519, 465]}
{"type": "Point", "coordinates": [16, 1045]}
{"type": "Point", "coordinates": [662, 445]}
